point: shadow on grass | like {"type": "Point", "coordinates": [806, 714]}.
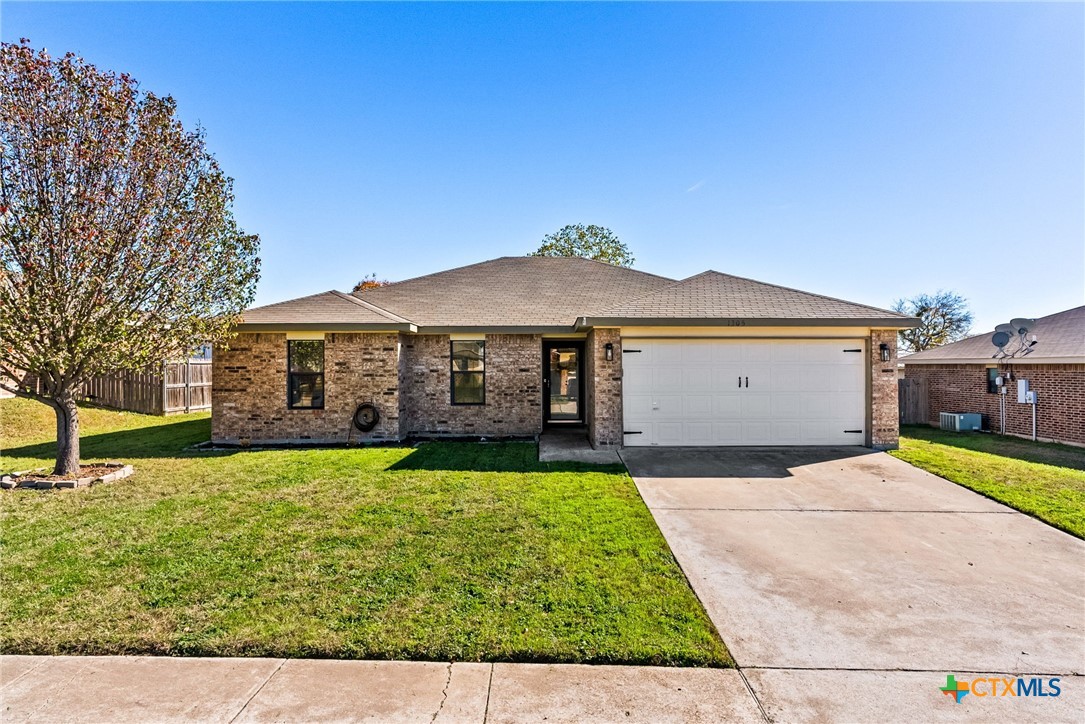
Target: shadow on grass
{"type": "Point", "coordinates": [1044, 453]}
{"type": "Point", "coordinates": [497, 457]}
{"type": "Point", "coordinates": [158, 441]}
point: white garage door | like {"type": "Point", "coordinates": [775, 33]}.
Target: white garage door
{"type": "Point", "coordinates": [744, 392]}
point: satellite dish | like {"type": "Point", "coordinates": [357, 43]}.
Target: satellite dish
{"type": "Point", "coordinates": [1007, 328]}
{"type": "Point", "coordinates": [1021, 325]}
{"type": "Point", "coordinates": [1000, 339]}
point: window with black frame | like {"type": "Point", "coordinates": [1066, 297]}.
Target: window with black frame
{"type": "Point", "coordinates": [468, 372]}
{"type": "Point", "coordinates": [992, 380]}
{"type": "Point", "coordinates": [305, 365]}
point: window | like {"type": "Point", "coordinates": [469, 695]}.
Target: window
{"type": "Point", "coordinates": [468, 372]}
{"type": "Point", "coordinates": [305, 375]}
{"type": "Point", "coordinates": [992, 373]}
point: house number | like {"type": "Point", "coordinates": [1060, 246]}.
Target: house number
{"type": "Point", "coordinates": [736, 322]}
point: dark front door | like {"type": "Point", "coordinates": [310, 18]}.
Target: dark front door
{"type": "Point", "coordinates": [563, 382]}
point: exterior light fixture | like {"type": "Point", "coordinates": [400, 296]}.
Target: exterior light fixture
{"type": "Point", "coordinates": [608, 351]}
{"type": "Point", "coordinates": [884, 348]}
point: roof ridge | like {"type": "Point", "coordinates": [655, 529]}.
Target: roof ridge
{"type": "Point", "coordinates": [371, 307]}
{"type": "Point", "coordinates": [632, 300]}
{"type": "Point", "coordinates": [604, 263]}
{"type": "Point", "coordinates": [802, 291]}
{"type": "Point", "coordinates": [294, 299]}
{"type": "Point", "coordinates": [510, 256]}
{"type": "Point", "coordinates": [431, 274]}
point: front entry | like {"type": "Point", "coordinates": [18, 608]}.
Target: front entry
{"type": "Point", "coordinates": [563, 382]}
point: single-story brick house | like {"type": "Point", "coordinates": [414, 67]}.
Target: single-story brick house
{"type": "Point", "coordinates": [508, 347]}
{"type": "Point", "coordinates": [961, 377]}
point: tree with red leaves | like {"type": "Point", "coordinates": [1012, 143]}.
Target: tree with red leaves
{"type": "Point", "coordinates": [118, 244]}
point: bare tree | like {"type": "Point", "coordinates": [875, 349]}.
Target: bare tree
{"type": "Point", "coordinates": [944, 318]}
{"type": "Point", "coordinates": [118, 244]}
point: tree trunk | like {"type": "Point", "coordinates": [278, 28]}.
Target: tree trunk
{"type": "Point", "coordinates": [67, 436]}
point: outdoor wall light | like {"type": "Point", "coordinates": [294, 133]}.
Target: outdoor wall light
{"type": "Point", "coordinates": [608, 351]}
{"type": "Point", "coordinates": [885, 351]}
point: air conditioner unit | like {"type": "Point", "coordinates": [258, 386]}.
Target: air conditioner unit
{"type": "Point", "coordinates": [960, 421]}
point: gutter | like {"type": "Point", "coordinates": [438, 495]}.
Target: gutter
{"type": "Point", "coordinates": [876, 322]}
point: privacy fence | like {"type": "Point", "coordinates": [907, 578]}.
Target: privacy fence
{"type": "Point", "coordinates": [912, 399]}
{"type": "Point", "coordinates": [170, 388]}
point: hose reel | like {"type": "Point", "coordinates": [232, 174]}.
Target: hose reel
{"type": "Point", "coordinates": [366, 417]}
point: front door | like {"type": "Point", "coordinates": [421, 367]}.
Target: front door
{"type": "Point", "coordinates": [563, 382]}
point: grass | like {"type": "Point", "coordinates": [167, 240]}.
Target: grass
{"type": "Point", "coordinates": [443, 552]}
{"type": "Point", "coordinates": [1045, 480]}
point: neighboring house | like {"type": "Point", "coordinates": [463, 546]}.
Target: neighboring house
{"type": "Point", "coordinates": [961, 377]}
{"type": "Point", "coordinates": [508, 347]}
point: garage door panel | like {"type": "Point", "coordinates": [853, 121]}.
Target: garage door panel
{"type": "Point", "coordinates": [667, 407]}
{"type": "Point", "coordinates": [726, 378]}
{"type": "Point", "coordinates": [727, 433]}
{"type": "Point", "coordinates": [757, 433]}
{"type": "Point", "coordinates": [698, 433]}
{"type": "Point", "coordinates": [667, 433]}
{"type": "Point", "coordinates": [745, 392]}
{"type": "Point", "coordinates": [787, 405]}
{"type": "Point", "coordinates": [697, 407]}
{"type": "Point", "coordinates": [637, 379]}
{"type": "Point", "coordinates": [788, 378]}
{"type": "Point", "coordinates": [787, 432]}
{"type": "Point", "coordinates": [725, 354]}
{"type": "Point", "coordinates": [845, 379]}
{"type": "Point", "coordinates": [727, 407]}
{"type": "Point", "coordinates": [637, 407]}
{"type": "Point", "coordinates": [667, 378]}
{"type": "Point", "coordinates": [756, 352]}
{"type": "Point", "coordinates": [787, 354]}
{"type": "Point", "coordinates": [757, 406]}
{"type": "Point", "coordinates": [697, 379]}
{"type": "Point", "coordinates": [667, 354]}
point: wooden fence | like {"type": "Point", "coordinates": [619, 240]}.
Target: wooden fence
{"type": "Point", "coordinates": [912, 401]}
{"type": "Point", "coordinates": [173, 387]}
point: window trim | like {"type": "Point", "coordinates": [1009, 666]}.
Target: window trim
{"type": "Point", "coordinates": [290, 374]}
{"type": "Point", "coordinates": [452, 372]}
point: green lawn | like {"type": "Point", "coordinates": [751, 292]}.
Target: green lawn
{"type": "Point", "coordinates": [445, 551]}
{"type": "Point", "coordinates": [1045, 480]}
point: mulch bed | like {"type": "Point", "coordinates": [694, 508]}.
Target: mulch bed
{"type": "Point", "coordinates": [88, 475]}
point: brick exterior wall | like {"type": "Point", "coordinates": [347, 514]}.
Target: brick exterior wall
{"type": "Point", "coordinates": [1060, 388]}
{"type": "Point", "coordinates": [884, 415]}
{"type": "Point", "coordinates": [604, 389]}
{"type": "Point", "coordinates": [513, 388]}
{"type": "Point", "coordinates": [249, 402]}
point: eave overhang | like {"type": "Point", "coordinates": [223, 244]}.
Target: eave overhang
{"type": "Point", "coordinates": [876, 322]}
{"type": "Point", "coordinates": [324, 327]}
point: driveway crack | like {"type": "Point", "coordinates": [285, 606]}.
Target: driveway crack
{"type": "Point", "coordinates": [444, 694]}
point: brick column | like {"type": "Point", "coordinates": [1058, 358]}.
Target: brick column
{"type": "Point", "coordinates": [885, 418]}
{"type": "Point", "coordinates": [604, 389]}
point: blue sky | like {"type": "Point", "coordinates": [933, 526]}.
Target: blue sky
{"type": "Point", "coordinates": [865, 151]}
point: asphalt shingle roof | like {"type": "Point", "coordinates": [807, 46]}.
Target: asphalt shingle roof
{"type": "Point", "coordinates": [556, 292]}
{"type": "Point", "coordinates": [330, 307]}
{"type": "Point", "coordinates": [714, 295]}
{"type": "Point", "coordinates": [1058, 336]}
{"type": "Point", "coordinates": [514, 291]}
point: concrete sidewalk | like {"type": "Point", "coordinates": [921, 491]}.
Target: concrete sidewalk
{"type": "Point", "coordinates": [158, 689]}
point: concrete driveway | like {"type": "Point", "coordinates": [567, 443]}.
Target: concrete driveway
{"type": "Point", "coordinates": [848, 584]}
